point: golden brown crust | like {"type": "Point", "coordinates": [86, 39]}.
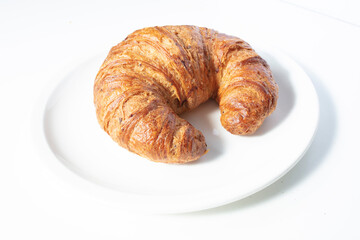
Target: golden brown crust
{"type": "Point", "coordinates": [157, 73]}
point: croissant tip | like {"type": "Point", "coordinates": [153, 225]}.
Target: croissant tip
{"type": "Point", "coordinates": [207, 150]}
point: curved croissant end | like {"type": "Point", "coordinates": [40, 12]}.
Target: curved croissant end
{"type": "Point", "coordinates": [159, 72]}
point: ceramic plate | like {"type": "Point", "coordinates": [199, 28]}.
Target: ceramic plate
{"type": "Point", "coordinates": [67, 132]}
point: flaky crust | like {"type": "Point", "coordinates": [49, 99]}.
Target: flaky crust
{"type": "Point", "coordinates": [157, 73]}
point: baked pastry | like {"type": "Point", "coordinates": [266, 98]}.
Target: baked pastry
{"type": "Point", "coordinates": [157, 73]}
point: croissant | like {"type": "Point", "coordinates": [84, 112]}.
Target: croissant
{"type": "Point", "coordinates": [157, 73]}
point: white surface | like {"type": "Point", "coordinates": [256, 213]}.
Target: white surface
{"type": "Point", "coordinates": [66, 130]}
{"type": "Point", "coordinates": [344, 10]}
{"type": "Point", "coordinates": [317, 199]}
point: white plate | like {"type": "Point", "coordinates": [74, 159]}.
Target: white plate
{"type": "Point", "coordinates": [235, 167]}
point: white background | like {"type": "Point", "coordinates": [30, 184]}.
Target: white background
{"type": "Point", "coordinates": [318, 199]}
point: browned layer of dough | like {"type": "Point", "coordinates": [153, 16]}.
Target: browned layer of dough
{"type": "Point", "coordinates": [157, 73]}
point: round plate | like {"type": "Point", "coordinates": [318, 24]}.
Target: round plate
{"type": "Point", "coordinates": [235, 166]}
